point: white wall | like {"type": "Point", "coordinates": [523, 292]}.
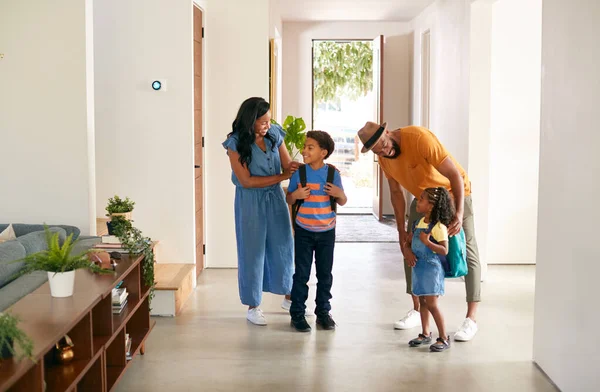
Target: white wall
{"type": "Point", "coordinates": [237, 67]}
{"type": "Point", "coordinates": [144, 139]}
{"type": "Point", "coordinates": [297, 69]}
{"type": "Point", "coordinates": [479, 117]}
{"type": "Point", "coordinates": [46, 130]}
{"type": "Point", "coordinates": [449, 24]}
{"type": "Point", "coordinates": [566, 317]}
{"type": "Point", "coordinates": [514, 131]}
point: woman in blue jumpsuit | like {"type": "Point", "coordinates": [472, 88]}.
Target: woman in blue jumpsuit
{"type": "Point", "coordinates": [262, 223]}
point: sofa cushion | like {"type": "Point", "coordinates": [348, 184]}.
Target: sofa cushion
{"type": "Point", "coordinates": [10, 251]}
{"type": "Point", "coordinates": [21, 229]}
{"type": "Point", "coordinates": [8, 234]}
{"type": "Point", "coordinates": [36, 242]}
{"type": "Point", "coordinates": [20, 287]}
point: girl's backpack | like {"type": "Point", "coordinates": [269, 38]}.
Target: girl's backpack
{"type": "Point", "coordinates": [455, 262]}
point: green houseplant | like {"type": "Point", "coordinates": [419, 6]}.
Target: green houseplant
{"type": "Point", "coordinates": [135, 243]}
{"type": "Point", "coordinates": [11, 335]}
{"type": "Point", "coordinates": [295, 134]}
{"type": "Point", "coordinates": [119, 207]}
{"type": "Point", "coordinates": [59, 263]}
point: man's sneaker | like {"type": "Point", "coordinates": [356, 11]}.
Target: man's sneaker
{"type": "Point", "coordinates": [300, 324]}
{"type": "Point", "coordinates": [411, 320]}
{"type": "Point", "coordinates": [440, 345]}
{"type": "Point", "coordinates": [467, 331]}
{"type": "Point", "coordinates": [256, 316]}
{"type": "Point", "coordinates": [286, 304]}
{"type": "Point", "coordinates": [326, 322]}
{"type": "Point", "coordinates": [421, 340]}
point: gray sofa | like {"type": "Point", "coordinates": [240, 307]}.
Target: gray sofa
{"type": "Point", "coordinates": [30, 239]}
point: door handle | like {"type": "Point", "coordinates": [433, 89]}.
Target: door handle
{"type": "Point", "coordinates": [197, 166]}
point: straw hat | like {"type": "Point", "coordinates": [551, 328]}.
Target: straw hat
{"type": "Point", "coordinates": [370, 134]}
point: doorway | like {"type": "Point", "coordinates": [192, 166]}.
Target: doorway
{"type": "Point", "coordinates": [347, 76]}
{"type": "Point", "coordinates": [198, 139]}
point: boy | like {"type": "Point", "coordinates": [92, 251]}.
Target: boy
{"type": "Point", "coordinates": [314, 191]}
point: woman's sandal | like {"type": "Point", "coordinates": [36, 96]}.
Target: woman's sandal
{"type": "Point", "coordinates": [440, 345]}
{"type": "Point", "coordinates": [421, 340]}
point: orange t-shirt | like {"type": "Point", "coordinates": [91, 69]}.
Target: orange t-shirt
{"type": "Point", "coordinates": [415, 169]}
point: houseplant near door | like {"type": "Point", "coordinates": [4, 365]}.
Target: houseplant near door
{"type": "Point", "coordinates": [60, 265]}
{"type": "Point", "coordinates": [118, 207]}
{"type": "Point", "coordinates": [295, 134]}
{"type": "Point", "coordinates": [10, 334]}
{"type": "Point", "coordinates": [136, 243]}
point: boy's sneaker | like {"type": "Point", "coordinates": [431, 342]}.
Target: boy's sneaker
{"type": "Point", "coordinates": [421, 340]}
{"type": "Point", "coordinates": [411, 320]}
{"type": "Point", "coordinates": [467, 331]}
{"type": "Point", "coordinates": [286, 304]}
{"type": "Point", "coordinates": [256, 316]}
{"type": "Point", "coordinates": [326, 322]}
{"type": "Point", "coordinates": [440, 345]}
{"type": "Point", "coordinates": [300, 324]}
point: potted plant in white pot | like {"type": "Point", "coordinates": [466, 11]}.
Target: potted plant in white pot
{"type": "Point", "coordinates": [295, 136]}
{"type": "Point", "coordinates": [11, 335]}
{"type": "Point", "coordinates": [60, 265]}
{"type": "Point", "coordinates": [118, 207]}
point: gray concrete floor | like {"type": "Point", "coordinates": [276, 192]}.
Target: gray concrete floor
{"type": "Point", "coordinates": [211, 347]}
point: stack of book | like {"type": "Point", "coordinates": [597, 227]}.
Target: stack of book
{"type": "Point", "coordinates": [119, 299]}
{"type": "Point", "coordinates": [110, 243]}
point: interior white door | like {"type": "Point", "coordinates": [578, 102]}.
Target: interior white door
{"type": "Point", "coordinates": [378, 118]}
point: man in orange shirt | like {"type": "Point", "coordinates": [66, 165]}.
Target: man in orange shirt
{"type": "Point", "coordinates": [413, 158]}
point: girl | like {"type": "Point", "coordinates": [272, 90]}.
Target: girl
{"type": "Point", "coordinates": [263, 231]}
{"type": "Point", "coordinates": [429, 242]}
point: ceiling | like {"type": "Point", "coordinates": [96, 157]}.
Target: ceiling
{"type": "Point", "coordinates": [351, 10]}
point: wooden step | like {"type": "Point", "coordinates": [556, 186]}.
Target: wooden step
{"type": "Point", "coordinates": [174, 284]}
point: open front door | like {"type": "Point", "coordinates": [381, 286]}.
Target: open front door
{"type": "Point", "coordinates": [198, 140]}
{"type": "Point", "coordinates": [378, 118]}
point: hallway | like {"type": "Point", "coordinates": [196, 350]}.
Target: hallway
{"type": "Point", "coordinates": [211, 347]}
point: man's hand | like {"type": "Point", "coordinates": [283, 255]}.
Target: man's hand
{"type": "Point", "coordinates": [455, 225]}
{"type": "Point", "coordinates": [409, 256]}
{"type": "Point", "coordinates": [301, 193]}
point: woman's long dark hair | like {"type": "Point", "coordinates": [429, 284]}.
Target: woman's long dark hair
{"type": "Point", "coordinates": [443, 207]}
{"type": "Point", "coordinates": [243, 126]}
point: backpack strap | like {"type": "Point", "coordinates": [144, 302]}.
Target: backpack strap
{"type": "Point", "coordinates": [330, 175]}
{"type": "Point", "coordinates": [298, 203]}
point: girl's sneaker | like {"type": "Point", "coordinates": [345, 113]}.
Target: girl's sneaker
{"type": "Point", "coordinates": [440, 345]}
{"type": "Point", "coordinates": [421, 340]}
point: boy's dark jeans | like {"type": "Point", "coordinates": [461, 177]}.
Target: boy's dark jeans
{"type": "Point", "coordinates": [321, 244]}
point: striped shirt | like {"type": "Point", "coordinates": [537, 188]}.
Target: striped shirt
{"type": "Point", "coordinates": [315, 213]}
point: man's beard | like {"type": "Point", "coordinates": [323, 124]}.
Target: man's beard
{"type": "Point", "coordinates": [396, 151]}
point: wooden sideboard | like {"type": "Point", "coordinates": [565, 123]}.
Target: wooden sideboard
{"type": "Point", "coordinates": [87, 318]}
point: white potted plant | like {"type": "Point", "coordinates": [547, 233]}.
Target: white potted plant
{"type": "Point", "coordinates": [60, 265]}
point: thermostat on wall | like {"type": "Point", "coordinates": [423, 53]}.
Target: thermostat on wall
{"type": "Point", "coordinates": [159, 85]}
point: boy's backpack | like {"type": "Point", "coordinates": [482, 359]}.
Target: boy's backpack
{"type": "Point", "coordinates": [302, 172]}
{"type": "Point", "coordinates": [455, 262]}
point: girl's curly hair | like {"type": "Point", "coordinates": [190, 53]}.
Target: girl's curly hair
{"type": "Point", "coordinates": [443, 208]}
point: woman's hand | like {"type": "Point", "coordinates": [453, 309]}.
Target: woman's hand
{"type": "Point", "coordinates": [301, 193]}
{"type": "Point", "coordinates": [294, 166]}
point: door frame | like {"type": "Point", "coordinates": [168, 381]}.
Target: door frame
{"type": "Point", "coordinates": [199, 245]}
